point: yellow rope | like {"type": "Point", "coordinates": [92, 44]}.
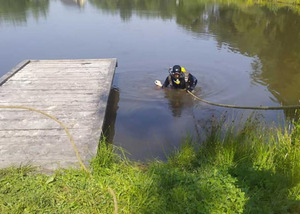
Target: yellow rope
{"type": "Point", "coordinates": [60, 123]}
{"type": "Point", "coordinates": [246, 107]}
{"type": "Point", "coordinates": [115, 199]}
{"type": "Point", "coordinates": [71, 141]}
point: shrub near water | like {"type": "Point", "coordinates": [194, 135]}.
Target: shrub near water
{"type": "Point", "coordinates": [266, 163]}
{"type": "Point", "coordinates": [254, 170]}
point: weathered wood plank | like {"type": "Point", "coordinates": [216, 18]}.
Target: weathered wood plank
{"type": "Point", "coordinates": [73, 91]}
{"type": "Point", "coordinates": [11, 114]}
{"type": "Point", "coordinates": [61, 84]}
{"type": "Point", "coordinates": [47, 123]}
{"type": "Point", "coordinates": [5, 77]}
{"type": "Point", "coordinates": [60, 72]}
{"type": "Point", "coordinates": [41, 99]}
{"type": "Point", "coordinates": [52, 92]}
{"type": "Point", "coordinates": [72, 96]}
{"type": "Point", "coordinates": [74, 66]}
{"type": "Point", "coordinates": [54, 108]}
{"type": "Point", "coordinates": [73, 61]}
{"type": "Point", "coordinates": [52, 87]}
{"type": "Point", "coordinates": [8, 136]}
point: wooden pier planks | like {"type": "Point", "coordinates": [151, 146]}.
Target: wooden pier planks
{"type": "Point", "coordinates": [73, 91]}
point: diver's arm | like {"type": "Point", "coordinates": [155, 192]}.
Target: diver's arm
{"type": "Point", "coordinates": [166, 83]}
{"type": "Point", "coordinates": [192, 82]}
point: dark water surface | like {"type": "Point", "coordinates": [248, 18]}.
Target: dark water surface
{"type": "Point", "coordinates": [241, 54]}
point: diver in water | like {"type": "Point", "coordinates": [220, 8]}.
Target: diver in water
{"type": "Point", "coordinates": [179, 78]}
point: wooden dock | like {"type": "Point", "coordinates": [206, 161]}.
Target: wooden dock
{"type": "Point", "coordinates": [73, 91]}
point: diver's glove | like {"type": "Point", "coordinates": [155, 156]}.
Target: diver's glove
{"type": "Point", "coordinates": [158, 83]}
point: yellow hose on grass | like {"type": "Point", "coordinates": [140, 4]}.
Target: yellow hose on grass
{"type": "Point", "coordinates": [71, 141]}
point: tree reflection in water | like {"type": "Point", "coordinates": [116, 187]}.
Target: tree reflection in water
{"type": "Point", "coordinates": [268, 33]}
{"type": "Point", "coordinates": [17, 11]}
{"type": "Point", "coordinates": [77, 3]}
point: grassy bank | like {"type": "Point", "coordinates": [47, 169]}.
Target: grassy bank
{"type": "Point", "coordinates": [254, 170]}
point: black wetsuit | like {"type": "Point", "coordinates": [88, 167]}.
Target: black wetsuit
{"type": "Point", "coordinates": [187, 81]}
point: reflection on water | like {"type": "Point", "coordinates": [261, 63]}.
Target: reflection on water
{"type": "Point", "coordinates": [17, 11]}
{"type": "Point", "coordinates": [271, 37]}
{"type": "Point", "coordinates": [241, 54]}
{"type": "Point", "coordinates": [79, 3]}
{"type": "Point", "coordinates": [178, 101]}
{"type": "Point", "coordinates": [111, 115]}
{"type": "Point", "coordinates": [268, 37]}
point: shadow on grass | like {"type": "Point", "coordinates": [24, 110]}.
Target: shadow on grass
{"type": "Point", "coordinates": [267, 192]}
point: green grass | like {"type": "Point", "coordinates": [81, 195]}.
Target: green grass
{"type": "Point", "coordinates": [253, 170]}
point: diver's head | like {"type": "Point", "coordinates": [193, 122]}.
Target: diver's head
{"type": "Point", "coordinates": [176, 72]}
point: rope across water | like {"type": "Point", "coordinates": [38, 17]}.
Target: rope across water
{"type": "Point", "coordinates": [246, 107]}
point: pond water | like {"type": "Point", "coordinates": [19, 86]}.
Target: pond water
{"type": "Point", "coordinates": [241, 54]}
